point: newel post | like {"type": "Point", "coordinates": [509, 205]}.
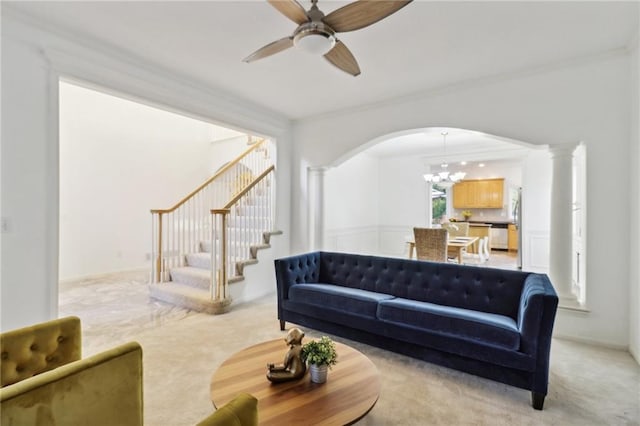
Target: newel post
{"type": "Point", "coordinates": [219, 271]}
{"type": "Point", "coordinates": [159, 257]}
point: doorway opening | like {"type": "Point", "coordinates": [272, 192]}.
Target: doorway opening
{"type": "Point", "coordinates": [118, 160]}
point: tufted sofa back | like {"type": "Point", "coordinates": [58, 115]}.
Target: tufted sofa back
{"type": "Point", "coordinates": [481, 289]}
{"type": "Point", "coordinates": [32, 350]}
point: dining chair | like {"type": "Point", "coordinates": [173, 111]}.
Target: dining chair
{"type": "Point", "coordinates": [457, 229]}
{"type": "Point", "coordinates": [431, 244]}
{"type": "Point", "coordinates": [480, 257]}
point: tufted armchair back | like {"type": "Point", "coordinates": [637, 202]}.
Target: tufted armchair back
{"type": "Point", "coordinates": [32, 350]}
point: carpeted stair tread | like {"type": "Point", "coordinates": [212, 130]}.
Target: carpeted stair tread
{"type": "Point", "coordinates": [189, 297]}
{"type": "Point", "coordinates": [200, 260]}
{"type": "Point", "coordinates": [195, 277]}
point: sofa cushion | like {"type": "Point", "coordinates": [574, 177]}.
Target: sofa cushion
{"type": "Point", "coordinates": [353, 300]}
{"type": "Point", "coordinates": [493, 329]}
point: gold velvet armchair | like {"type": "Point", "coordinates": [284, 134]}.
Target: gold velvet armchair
{"type": "Point", "coordinates": [45, 381]}
{"type": "Point", "coordinates": [240, 411]}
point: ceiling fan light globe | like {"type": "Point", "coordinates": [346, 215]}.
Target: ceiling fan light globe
{"type": "Point", "coordinates": [315, 44]}
{"type": "Point", "coordinates": [315, 38]}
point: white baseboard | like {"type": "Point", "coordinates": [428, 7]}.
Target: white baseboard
{"type": "Point", "coordinates": [67, 281]}
{"type": "Point", "coordinates": [592, 342]}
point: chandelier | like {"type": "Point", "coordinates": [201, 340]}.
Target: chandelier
{"type": "Point", "coordinates": [444, 176]}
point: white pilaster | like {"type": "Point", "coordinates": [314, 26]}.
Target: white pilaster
{"type": "Point", "coordinates": [560, 250]}
{"type": "Point", "coordinates": [315, 189]}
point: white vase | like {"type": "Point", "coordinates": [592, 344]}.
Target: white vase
{"type": "Point", "coordinates": [318, 373]}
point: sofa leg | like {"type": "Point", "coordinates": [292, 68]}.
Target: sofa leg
{"type": "Point", "coordinates": [537, 400]}
{"type": "Point", "coordinates": [282, 323]}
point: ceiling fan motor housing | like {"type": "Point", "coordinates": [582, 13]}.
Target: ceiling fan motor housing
{"type": "Point", "coordinates": [314, 37]}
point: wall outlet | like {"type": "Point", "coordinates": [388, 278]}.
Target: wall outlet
{"type": "Point", "coordinates": [147, 256]}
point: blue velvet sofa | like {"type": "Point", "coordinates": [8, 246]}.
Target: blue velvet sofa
{"type": "Point", "coordinates": [489, 322]}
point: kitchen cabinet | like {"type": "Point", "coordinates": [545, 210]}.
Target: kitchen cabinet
{"type": "Point", "coordinates": [512, 241]}
{"type": "Point", "coordinates": [479, 194]}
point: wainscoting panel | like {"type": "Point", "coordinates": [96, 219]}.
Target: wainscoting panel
{"type": "Point", "coordinates": [536, 253]}
{"type": "Point", "coordinates": [393, 240]}
{"type": "Point", "coordinates": [362, 240]}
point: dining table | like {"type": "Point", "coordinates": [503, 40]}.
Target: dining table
{"type": "Point", "coordinates": [455, 246]}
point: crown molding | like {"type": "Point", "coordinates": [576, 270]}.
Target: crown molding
{"type": "Point", "coordinates": [87, 61]}
{"type": "Point", "coordinates": [472, 84]}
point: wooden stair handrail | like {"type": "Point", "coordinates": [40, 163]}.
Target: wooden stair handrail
{"type": "Point", "coordinates": [211, 179]}
{"type": "Point", "coordinates": [224, 212]}
{"type": "Point", "coordinates": [245, 190]}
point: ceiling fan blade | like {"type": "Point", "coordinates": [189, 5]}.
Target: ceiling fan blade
{"type": "Point", "coordinates": [291, 9]}
{"type": "Point", "coordinates": [270, 49]}
{"type": "Point", "coordinates": [341, 57]}
{"type": "Point", "coordinates": [362, 13]}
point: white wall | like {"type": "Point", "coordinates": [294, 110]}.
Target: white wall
{"type": "Point", "coordinates": [30, 242]}
{"type": "Point", "coordinates": [536, 211]}
{"type": "Point", "coordinates": [118, 160]}
{"type": "Point", "coordinates": [403, 192]}
{"type": "Point", "coordinates": [32, 62]}
{"type": "Point", "coordinates": [351, 206]}
{"type": "Point", "coordinates": [403, 202]}
{"type": "Point", "coordinates": [225, 150]}
{"type": "Point", "coordinates": [634, 201]}
{"type": "Point", "coordinates": [581, 101]}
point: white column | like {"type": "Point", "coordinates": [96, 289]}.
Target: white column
{"type": "Point", "coordinates": [429, 201]}
{"type": "Point", "coordinates": [561, 245]}
{"type": "Point", "coordinates": [315, 182]}
{"type": "Point", "coordinates": [429, 204]}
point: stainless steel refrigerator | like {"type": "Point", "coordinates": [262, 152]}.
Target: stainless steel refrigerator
{"type": "Point", "coordinates": [517, 219]}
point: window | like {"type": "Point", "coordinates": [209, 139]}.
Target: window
{"type": "Point", "coordinates": [438, 203]}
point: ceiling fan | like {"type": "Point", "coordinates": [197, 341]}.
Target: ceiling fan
{"type": "Point", "coordinates": [316, 33]}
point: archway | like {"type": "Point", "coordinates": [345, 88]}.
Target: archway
{"type": "Point", "coordinates": [375, 193]}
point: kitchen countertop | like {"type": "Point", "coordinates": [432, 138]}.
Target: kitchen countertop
{"type": "Point", "coordinates": [491, 221]}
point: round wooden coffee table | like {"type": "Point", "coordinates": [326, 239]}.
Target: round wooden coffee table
{"type": "Point", "coordinates": [351, 390]}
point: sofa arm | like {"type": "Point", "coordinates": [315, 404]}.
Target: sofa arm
{"type": "Point", "coordinates": [104, 389]}
{"type": "Point", "coordinates": [536, 314]}
{"type": "Point", "coordinates": [538, 305]}
{"type": "Point", "coordinates": [38, 348]}
{"type": "Point", "coordinates": [304, 268]}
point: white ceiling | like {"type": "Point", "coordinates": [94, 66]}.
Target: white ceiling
{"type": "Point", "coordinates": [425, 45]}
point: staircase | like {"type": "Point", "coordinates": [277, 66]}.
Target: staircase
{"type": "Point", "coordinates": [203, 244]}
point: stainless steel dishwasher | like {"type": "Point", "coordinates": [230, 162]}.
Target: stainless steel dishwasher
{"type": "Point", "coordinates": [500, 236]}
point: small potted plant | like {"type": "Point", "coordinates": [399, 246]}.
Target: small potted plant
{"type": "Point", "coordinates": [466, 214]}
{"type": "Point", "coordinates": [320, 355]}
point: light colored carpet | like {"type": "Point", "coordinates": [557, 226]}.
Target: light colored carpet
{"type": "Point", "coordinates": [588, 385]}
